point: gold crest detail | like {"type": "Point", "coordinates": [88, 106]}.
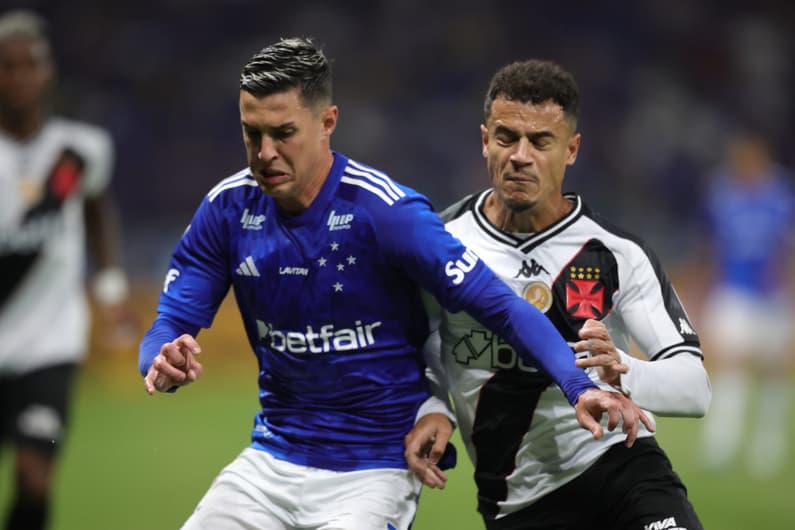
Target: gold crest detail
{"type": "Point", "coordinates": [538, 294]}
{"type": "Point", "coordinates": [30, 192]}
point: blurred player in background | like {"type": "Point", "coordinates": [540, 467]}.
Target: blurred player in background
{"type": "Point", "coordinates": [53, 173]}
{"type": "Point", "coordinates": [326, 256]}
{"type": "Point", "coordinates": [748, 314]}
{"type": "Point", "coordinates": [600, 286]}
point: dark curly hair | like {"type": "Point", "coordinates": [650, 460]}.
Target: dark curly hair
{"type": "Point", "coordinates": [534, 81]}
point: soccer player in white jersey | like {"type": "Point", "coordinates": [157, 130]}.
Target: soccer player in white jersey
{"type": "Point", "coordinates": [326, 257]}
{"type": "Point", "coordinates": [748, 314]}
{"type": "Point", "coordinates": [53, 173]}
{"type": "Point", "coordinates": [600, 287]}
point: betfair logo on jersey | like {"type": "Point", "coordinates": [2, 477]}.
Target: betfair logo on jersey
{"type": "Point", "coordinates": [483, 349]}
{"type": "Point", "coordinates": [325, 340]}
{"type": "Point", "coordinates": [458, 269]}
{"type": "Point", "coordinates": [339, 222]}
{"type": "Point", "coordinates": [171, 275]}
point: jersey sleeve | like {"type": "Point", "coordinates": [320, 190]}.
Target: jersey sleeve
{"type": "Point", "coordinates": [673, 381]}
{"type": "Point", "coordinates": [676, 386]}
{"type": "Point", "coordinates": [413, 236]}
{"type": "Point", "coordinates": [97, 145]}
{"type": "Point", "coordinates": [198, 274]}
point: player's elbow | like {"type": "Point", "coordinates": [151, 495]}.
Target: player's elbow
{"type": "Point", "coordinates": [702, 401]}
{"type": "Point", "coordinates": [694, 401]}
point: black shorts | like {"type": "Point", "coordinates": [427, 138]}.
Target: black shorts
{"type": "Point", "coordinates": [626, 489]}
{"type": "Point", "coordinates": [35, 405]}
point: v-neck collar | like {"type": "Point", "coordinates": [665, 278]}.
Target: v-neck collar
{"type": "Point", "coordinates": [528, 243]}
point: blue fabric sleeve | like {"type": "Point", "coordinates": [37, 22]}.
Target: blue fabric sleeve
{"type": "Point", "coordinates": [164, 329]}
{"type": "Point", "coordinates": [531, 334]}
{"type": "Point", "coordinates": [195, 285]}
{"type": "Point", "coordinates": [198, 277]}
{"type": "Point", "coordinates": [413, 236]}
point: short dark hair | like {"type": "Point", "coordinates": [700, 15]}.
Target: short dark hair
{"type": "Point", "coordinates": [25, 24]}
{"type": "Point", "coordinates": [534, 81]}
{"type": "Point", "coordinates": [289, 63]}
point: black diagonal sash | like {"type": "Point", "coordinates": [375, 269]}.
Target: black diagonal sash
{"type": "Point", "coordinates": [63, 180]}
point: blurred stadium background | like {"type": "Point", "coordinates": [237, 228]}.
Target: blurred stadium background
{"type": "Point", "coordinates": [662, 82]}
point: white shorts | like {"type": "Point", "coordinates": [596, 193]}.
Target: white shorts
{"type": "Point", "coordinates": [259, 491]}
{"type": "Point", "coordinates": [741, 326]}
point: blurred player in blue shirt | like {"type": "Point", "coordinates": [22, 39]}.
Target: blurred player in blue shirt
{"type": "Point", "coordinates": [327, 257]}
{"type": "Point", "coordinates": [748, 314]}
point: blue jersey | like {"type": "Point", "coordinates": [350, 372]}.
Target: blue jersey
{"type": "Point", "coordinates": [330, 301]}
{"type": "Point", "coordinates": [752, 226]}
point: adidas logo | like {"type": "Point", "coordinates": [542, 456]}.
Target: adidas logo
{"type": "Point", "coordinates": [247, 268]}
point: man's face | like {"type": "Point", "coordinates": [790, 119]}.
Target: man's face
{"type": "Point", "coordinates": [527, 148]}
{"type": "Point", "coordinates": [288, 145]}
{"type": "Point", "coordinates": [25, 73]}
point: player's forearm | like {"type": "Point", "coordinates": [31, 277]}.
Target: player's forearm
{"type": "Point", "coordinates": [164, 329]}
{"type": "Point", "coordinates": [676, 386]}
{"type": "Point", "coordinates": [533, 337]}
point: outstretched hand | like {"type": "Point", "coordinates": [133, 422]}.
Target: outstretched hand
{"type": "Point", "coordinates": [594, 403]}
{"type": "Point", "coordinates": [425, 445]}
{"type": "Point", "coordinates": [175, 365]}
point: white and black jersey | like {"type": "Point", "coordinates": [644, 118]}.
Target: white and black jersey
{"type": "Point", "coordinates": [43, 182]}
{"type": "Point", "coordinates": [520, 432]}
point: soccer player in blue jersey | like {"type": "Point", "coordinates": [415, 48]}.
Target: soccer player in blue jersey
{"type": "Point", "coordinates": [750, 213]}
{"type": "Point", "coordinates": [327, 257]}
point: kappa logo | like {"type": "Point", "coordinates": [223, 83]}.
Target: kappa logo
{"type": "Point", "coordinates": [249, 221]}
{"type": "Point", "coordinates": [339, 222]}
{"type": "Point", "coordinates": [533, 269]}
{"type": "Point", "coordinates": [685, 328]}
{"type": "Point", "coordinates": [668, 523]}
{"type": "Point", "coordinates": [247, 268]}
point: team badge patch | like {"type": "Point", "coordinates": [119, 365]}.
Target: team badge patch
{"type": "Point", "coordinates": [538, 294]}
{"type": "Point", "coordinates": [585, 294]}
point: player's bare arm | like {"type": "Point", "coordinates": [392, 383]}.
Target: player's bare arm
{"type": "Point", "coordinates": [593, 404]}
{"type": "Point", "coordinates": [425, 445]}
{"type": "Point", "coordinates": [604, 355]}
{"type": "Point", "coordinates": [175, 365]}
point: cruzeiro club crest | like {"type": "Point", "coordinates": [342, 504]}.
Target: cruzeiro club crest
{"type": "Point", "coordinates": [539, 294]}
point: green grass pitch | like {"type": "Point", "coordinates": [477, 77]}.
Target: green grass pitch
{"type": "Point", "coordinates": [134, 461]}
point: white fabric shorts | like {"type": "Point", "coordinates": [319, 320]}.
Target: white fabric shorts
{"type": "Point", "coordinates": [741, 326]}
{"type": "Point", "coordinates": [259, 491]}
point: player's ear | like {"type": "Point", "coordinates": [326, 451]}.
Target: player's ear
{"type": "Point", "coordinates": [573, 148]}
{"type": "Point", "coordinates": [329, 119]}
{"type": "Point", "coordinates": [484, 136]}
